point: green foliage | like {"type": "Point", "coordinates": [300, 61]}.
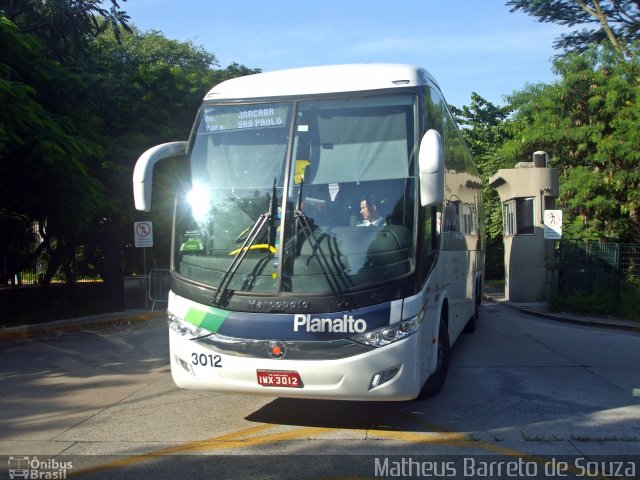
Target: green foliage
{"type": "Point", "coordinates": [47, 147]}
{"type": "Point", "coordinates": [615, 21]}
{"type": "Point", "coordinates": [589, 122]}
{"type": "Point", "coordinates": [62, 26]}
{"type": "Point", "coordinates": [623, 301]}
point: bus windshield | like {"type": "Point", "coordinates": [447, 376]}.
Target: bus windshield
{"type": "Point", "coordinates": [312, 196]}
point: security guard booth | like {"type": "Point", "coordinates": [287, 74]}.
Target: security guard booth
{"type": "Point", "coordinates": [526, 191]}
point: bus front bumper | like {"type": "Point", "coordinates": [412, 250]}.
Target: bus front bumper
{"type": "Point", "coordinates": [392, 372]}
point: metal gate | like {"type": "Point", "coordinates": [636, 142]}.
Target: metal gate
{"type": "Point", "coordinates": [159, 284]}
{"type": "Point", "coordinates": [596, 270]}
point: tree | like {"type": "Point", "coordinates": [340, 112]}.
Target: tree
{"type": "Point", "coordinates": [615, 21]}
{"type": "Point", "coordinates": [589, 121]}
{"type": "Point", "coordinates": [50, 139]}
{"type": "Point", "coordinates": [64, 27]}
{"type": "Point", "coordinates": [48, 151]}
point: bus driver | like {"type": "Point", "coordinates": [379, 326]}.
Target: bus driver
{"type": "Point", "coordinates": [370, 211]}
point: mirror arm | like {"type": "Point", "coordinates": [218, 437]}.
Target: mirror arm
{"type": "Point", "coordinates": [143, 171]}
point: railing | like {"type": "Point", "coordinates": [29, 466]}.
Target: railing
{"type": "Point", "coordinates": [159, 284]}
{"type": "Point", "coordinates": [75, 290]}
{"type": "Point", "coordinates": [35, 273]}
{"type": "Point", "coordinates": [597, 277]}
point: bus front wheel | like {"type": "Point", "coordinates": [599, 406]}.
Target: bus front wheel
{"type": "Point", "coordinates": [434, 383]}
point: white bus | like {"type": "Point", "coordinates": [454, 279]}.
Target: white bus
{"type": "Point", "coordinates": [330, 243]}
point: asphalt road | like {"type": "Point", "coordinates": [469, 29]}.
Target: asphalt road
{"type": "Point", "coordinates": [521, 388]}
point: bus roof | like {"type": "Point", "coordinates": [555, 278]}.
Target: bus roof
{"type": "Point", "coordinates": [321, 79]}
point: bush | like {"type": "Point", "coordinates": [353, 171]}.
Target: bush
{"type": "Point", "coordinates": [623, 301]}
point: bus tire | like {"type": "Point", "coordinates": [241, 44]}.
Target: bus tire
{"type": "Point", "coordinates": [434, 383]}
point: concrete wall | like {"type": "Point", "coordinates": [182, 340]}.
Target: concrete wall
{"type": "Point", "coordinates": [525, 267]}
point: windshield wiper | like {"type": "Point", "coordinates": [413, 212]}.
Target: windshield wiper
{"type": "Point", "coordinates": [304, 224]}
{"type": "Point", "coordinates": [241, 253]}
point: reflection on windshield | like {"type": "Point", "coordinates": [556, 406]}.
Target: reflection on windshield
{"type": "Point", "coordinates": [343, 153]}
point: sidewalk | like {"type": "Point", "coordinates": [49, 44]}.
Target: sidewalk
{"type": "Point", "coordinates": [541, 309]}
{"type": "Point", "coordinates": [81, 323]}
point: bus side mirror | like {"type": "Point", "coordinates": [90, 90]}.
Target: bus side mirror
{"type": "Point", "coordinates": [431, 169]}
{"type": "Point", "coordinates": [143, 171]}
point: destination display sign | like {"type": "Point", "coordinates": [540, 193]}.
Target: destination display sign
{"type": "Point", "coordinates": [234, 118]}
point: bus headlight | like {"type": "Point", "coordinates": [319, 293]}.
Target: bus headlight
{"type": "Point", "coordinates": [184, 328]}
{"type": "Point", "coordinates": [390, 333]}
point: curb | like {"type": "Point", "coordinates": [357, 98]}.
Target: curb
{"type": "Point", "coordinates": [590, 322]}
{"type": "Point", "coordinates": [78, 324]}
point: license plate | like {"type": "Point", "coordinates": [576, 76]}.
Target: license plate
{"type": "Point", "coordinates": [279, 378]}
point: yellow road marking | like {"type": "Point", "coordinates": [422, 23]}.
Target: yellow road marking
{"type": "Point", "coordinates": [265, 439]}
{"type": "Point", "coordinates": [242, 438]}
{"type": "Point", "coordinates": [459, 440]}
{"type": "Point", "coordinates": [446, 439]}
{"type": "Point", "coordinates": [255, 436]}
{"type": "Point", "coordinates": [184, 447]}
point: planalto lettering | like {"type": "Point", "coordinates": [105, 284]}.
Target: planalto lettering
{"type": "Point", "coordinates": [346, 324]}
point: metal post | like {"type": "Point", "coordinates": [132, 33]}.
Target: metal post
{"type": "Point", "coordinates": [146, 278]}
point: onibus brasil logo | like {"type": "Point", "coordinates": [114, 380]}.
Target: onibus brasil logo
{"type": "Point", "coordinates": [33, 468]}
